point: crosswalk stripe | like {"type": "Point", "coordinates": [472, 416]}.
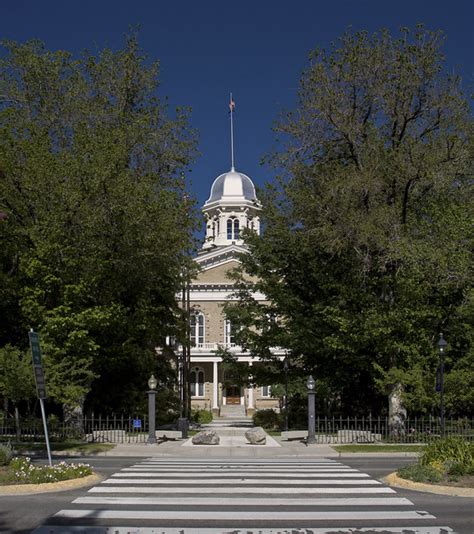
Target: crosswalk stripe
{"type": "Point", "coordinates": [139, 468]}
{"type": "Point", "coordinates": [259, 530]}
{"type": "Point", "coordinates": [219, 490]}
{"type": "Point", "coordinates": [267, 461]}
{"type": "Point", "coordinates": [249, 481]}
{"type": "Point", "coordinates": [232, 515]}
{"type": "Point", "coordinates": [235, 501]}
{"type": "Point", "coordinates": [205, 474]}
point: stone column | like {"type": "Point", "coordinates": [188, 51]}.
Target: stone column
{"type": "Point", "coordinates": [251, 406]}
{"type": "Point", "coordinates": [215, 390]}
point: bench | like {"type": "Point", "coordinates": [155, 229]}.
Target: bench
{"type": "Point", "coordinates": [294, 434]}
{"type": "Point", "coordinates": [169, 434]}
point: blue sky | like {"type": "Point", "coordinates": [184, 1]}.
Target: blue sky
{"type": "Point", "coordinates": [256, 49]}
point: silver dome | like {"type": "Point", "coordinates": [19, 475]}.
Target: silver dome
{"type": "Point", "coordinates": [232, 185]}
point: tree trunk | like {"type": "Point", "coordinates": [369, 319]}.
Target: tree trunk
{"type": "Point", "coordinates": [397, 413]}
{"type": "Point", "coordinates": [73, 419]}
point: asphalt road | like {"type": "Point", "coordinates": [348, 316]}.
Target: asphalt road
{"type": "Point", "coordinates": [21, 514]}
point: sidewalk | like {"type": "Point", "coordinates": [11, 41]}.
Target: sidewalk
{"type": "Point", "coordinates": [234, 444]}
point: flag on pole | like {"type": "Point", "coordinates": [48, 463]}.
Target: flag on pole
{"type": "Point", "coordinates": [231, 105]}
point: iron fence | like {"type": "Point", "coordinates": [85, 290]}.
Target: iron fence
{"type": "Point", "coordinates": [331, 430]}
{"type": "Point", "coordinates": [90, 429]}
{"type": "Point", "coordinates": [379, 430]}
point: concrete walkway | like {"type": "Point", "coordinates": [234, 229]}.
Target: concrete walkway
{"type": "Point", "coordinates": [232, 443]}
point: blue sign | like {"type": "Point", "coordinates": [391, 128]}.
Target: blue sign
{"type": "Point", "coordinates": [137, 423]}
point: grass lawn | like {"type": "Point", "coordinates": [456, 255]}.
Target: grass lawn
{"type": "Point", "coordinates": [76, 447]}
{"type": "Point", "coordinates": [378, 448]}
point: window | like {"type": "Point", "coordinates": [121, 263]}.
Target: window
{"type": "Point", "coordinates": [197, 382]}
{"type": "Point", "coordinates": [266, 391]}
{"type": "Point", "coordinates": [197, 329]}
{"type": "Point", "coordinates": [233, 229]}
{"type": "Point", "coordinates": [229, 333]}
{"type": "Point", "coordinates": [236, 229]}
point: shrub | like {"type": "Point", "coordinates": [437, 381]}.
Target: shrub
{"type": "Point", "coordinates": [420, 473]}
{"type": "Point", "coordinates": [457, 470]}
{"type": "Point", "coordinates": [452, 450]}
{"type": "Point", "coordinates": [267, 419]}
{"type": "Point", "coordinates": [6, 453]}
{"type": "Point", "coordinates": [202, 416]}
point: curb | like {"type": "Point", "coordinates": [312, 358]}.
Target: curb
{"type": "Point", "coordinates": [49, 487]}
{"type": "Point", "coordinates": [453, 491]}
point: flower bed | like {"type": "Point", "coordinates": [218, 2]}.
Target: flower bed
{"type": "Point", "coordinates": [22, 471]}
{"type": "Point", "coordinates": [448, 461]}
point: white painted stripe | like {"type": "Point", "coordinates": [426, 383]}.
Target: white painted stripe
{"type": "Point", "coordinates": [238, 470]}
{"type": "Point", "coordinates": [239, 462]}
{"type": "Point", "coordinates": [51, 529]}
{"type": "Point", "coordinates": [233, 515]}
{"type": "Point", "coordinates": [219, 491]}
{"type": "Point", "coordinates": [236, 501]}
{"type": "Point", "coordinates": [246, 474]}
{"type": "Point", "coordinates": [237, 482]}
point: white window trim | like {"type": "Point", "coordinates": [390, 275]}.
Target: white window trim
{"type": "Point", "coordinates": [228, 333]}
{"type": "Point", "coordinates": [269, 392]}
{"type": "Point", "coordinates": [196, 330]}
{"type": "Point", "coordinates": [198, 370]}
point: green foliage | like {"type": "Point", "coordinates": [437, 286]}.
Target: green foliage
{"type": "Point", "coordinates": [98, 226]}
{"type": "Point", "coordinates": [202, 416]}
{"type": "Point", "coordinates": [420, 473]}
{"type": "Point", "coordinates": [451, 450]}
{"type": "Point", "coordinates": [16, 375]}
{"type": "Point", "coordinates": [27, 473]}
{"type": "Point", "coordinates": [6, 453]}
{"type": "Point", "coordinates": [267, 419]}
{"type": "Point", "coordinates": [367, 251]}
{"type": "Point", "coordinates": [457, 469]}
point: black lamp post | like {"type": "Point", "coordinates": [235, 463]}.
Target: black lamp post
{"type": "Point", "coordinates": [285, 368]}
{"type": "Point", "coordinates": [152, 383]}
{"type": "Point", "coordinates": [311, 411]}
{"type": "Point", "coordinates": [442, 344]}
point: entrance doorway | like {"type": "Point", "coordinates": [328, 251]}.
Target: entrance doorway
{"type": "Point", "coordinates": [232, 395]}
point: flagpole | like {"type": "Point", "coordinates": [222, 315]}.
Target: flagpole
{"type": "Point", "coordinates": [232, 132]}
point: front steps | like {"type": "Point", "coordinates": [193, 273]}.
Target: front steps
{"type": "Point", "coordinates": [231, 416]}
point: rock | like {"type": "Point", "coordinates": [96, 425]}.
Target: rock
{"type": "Point", "coordinates": [256, 436]}
{"type": "Point", "coordinates": [206, 437]}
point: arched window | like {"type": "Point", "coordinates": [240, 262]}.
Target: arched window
{"type": "Point", "coordinates": [236, 229]}
{"type": "Point", "coordinates": [197, 382]}
{"type": "Point", "coordinates": [230, 229]}
{"type": "Point", "coordinates": [197, 329]}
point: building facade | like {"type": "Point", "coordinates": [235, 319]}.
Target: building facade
{"type": "Point", "coordinates": [231, 207]}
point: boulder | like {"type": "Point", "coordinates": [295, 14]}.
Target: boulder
{"type": "Point", "coordinates": [206, 437]}
{"type": "Point", "coordinates": [256, 436]}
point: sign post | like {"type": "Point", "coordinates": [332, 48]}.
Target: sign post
{"type": "Point", "coordinates": [40, 383]}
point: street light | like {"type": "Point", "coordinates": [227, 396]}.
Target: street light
{"type": "Point", "coordinates": [285, 369]}
{"type": "Point", "coordinates": [152, 383]}
{"type": "Point", "coordinates": [442, 344]}
{"type": "Point", "coordinates": [311, 411]}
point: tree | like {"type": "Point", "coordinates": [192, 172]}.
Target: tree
{"type": "Point", "coordinates": [98, 224]}
{"type": "Point", "coordinates": [367, 247]}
